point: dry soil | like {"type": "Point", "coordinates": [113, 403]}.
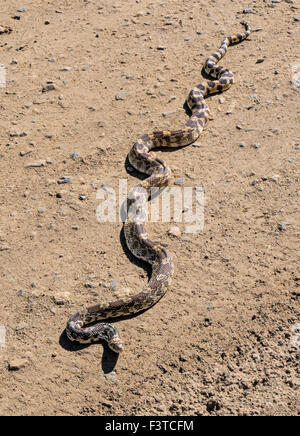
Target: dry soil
{"type": "Point", "coordinates": [83, 80]}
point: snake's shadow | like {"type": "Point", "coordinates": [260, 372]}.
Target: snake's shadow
{"type": "Point", "coordinates": [109, 358]}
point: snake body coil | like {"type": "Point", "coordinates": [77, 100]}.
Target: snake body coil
{"type": "Point", "coordinates": [137, 238]}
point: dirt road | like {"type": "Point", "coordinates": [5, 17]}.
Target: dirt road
{"type": "Point", "coordinates": [81, 80]}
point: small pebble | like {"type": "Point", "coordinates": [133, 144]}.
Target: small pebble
{"type": "Point", "coordinates": [281, 227]}
{"type": "Point", "coordinates": [74, 155]}
{"type": "Point", "coordinates": [226, 259]}
{"type": "Point", "coordinates": [49, 87]}
{"type": "Point", "coordinates": [61, 298]}
{"type": "Point", "coordinates": [64, 180]}
{"type": "Point", "coordinates": [259, 60]}
{"type": "Point", "coordinates": [212, 405]}
{"type": "Point", "coordinates": [40, 163]}
{"type": "Point", "coordinates": [15, 134]}
{"type": "Point", "coordinates": [121, 96]}
{"type": "Point", "coordinates": [174, 231]}
{"type": "Point", "coordinates": [16, 364]}
{"type": "Point", "coordinates": [25, 152]}
{"type": "Point", "coordinates": [112, 376]}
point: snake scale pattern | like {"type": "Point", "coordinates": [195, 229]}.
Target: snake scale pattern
{"type": "Point", "coordinates": [137, 239]}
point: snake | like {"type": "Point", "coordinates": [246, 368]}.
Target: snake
{"type": "Point", "coordinates": [84, 326]}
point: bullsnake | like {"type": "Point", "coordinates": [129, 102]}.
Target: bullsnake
{"type": "Point", "coordinates": [136, 236]}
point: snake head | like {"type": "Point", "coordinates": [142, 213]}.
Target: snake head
{"type": "Point", "coordinates": [116, 344]}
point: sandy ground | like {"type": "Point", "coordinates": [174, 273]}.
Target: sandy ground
{"type": "Point", "coordinates": [225, 338]}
